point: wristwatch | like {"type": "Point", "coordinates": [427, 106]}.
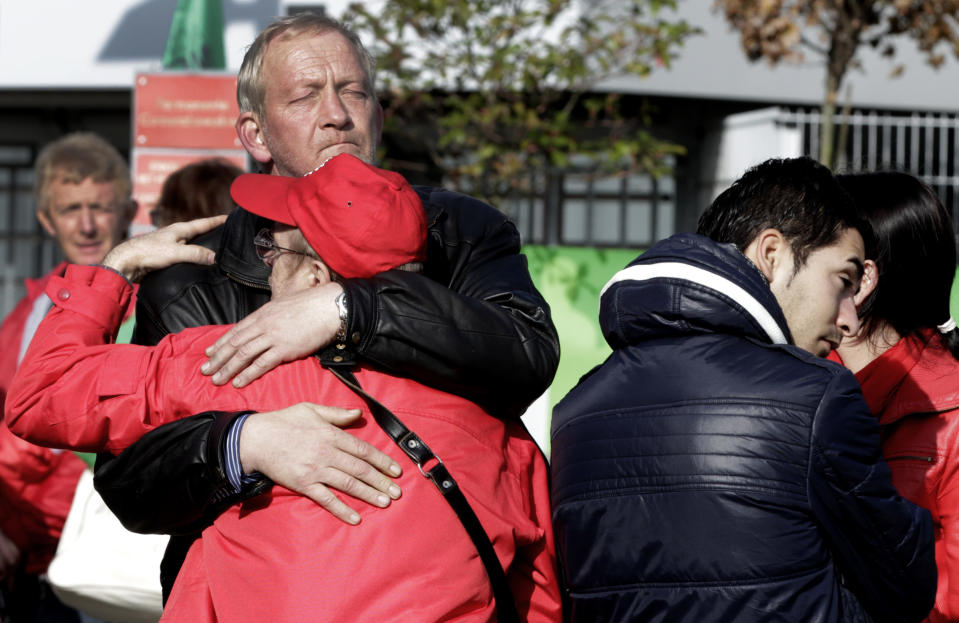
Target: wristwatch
{"type": "Point", "coordinates": [344, 313]}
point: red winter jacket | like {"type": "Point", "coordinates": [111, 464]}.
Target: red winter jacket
{"type": "Point", "coordinates": [280, 557]}
{"type": "Point", "coordinates": [913, 388]}
{"type": "Point", "coordinates": [11, 331]}
{"type": "Point", "coordinates": [36, 484]}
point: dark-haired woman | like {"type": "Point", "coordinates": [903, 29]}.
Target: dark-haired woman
{"type": "Point", "coordinates": [906, 355]}
{"type": "Point", "coordinates": [197, 190]}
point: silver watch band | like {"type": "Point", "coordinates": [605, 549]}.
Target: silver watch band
{"type": "Point", "coordinates": [344, 313]}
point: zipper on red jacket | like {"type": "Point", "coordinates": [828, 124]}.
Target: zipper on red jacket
{"type": "Point", "coordinates": [906, 457]}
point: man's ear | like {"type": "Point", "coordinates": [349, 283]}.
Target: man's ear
{"type": "Point", "coordinates": [319, 272]}
{"type": "Point", "coordinates": [870, 279]}
{"type": "Point", "coordinates": [772, 254]}
{"type": "Point", "coordinates": [46, 222]}
{"type": "Point", "coordinates": [250, 132]}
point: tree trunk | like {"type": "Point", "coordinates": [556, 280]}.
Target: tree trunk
{"type": "Point", "coordinates": [827, 120]}
{"type": "Point", "coordinates": [851, 18]}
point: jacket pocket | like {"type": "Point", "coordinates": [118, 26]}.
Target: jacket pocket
{"type": "Point", "coordinates": [911, 472]}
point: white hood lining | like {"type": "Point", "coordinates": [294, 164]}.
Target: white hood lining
{"type": "Point", "coordinates": [685, 272]}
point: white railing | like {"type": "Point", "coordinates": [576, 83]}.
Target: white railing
{"type": "Point", "coordinates": [924, 144]}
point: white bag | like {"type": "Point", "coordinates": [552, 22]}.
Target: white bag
{"type": "Point", "coordinates": [103, 569]}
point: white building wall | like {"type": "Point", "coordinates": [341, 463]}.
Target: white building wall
{"type": "Point", "coordinates": [102, 44]}
{"type": "Point", "coordinates": [742, 141]}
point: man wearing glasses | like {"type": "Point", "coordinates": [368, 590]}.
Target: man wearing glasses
{"type": "Point", "coordinates": [82, 188]}
{"type": "Point", "coordinates": [296, 562]}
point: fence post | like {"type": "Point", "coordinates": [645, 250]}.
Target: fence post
{"type": "Point", "coordinates": [9, 289]}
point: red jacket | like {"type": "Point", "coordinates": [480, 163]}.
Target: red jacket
{"type": "Point", "coordinates": [914, 390]}
{"type": "Point", "coordinates": [280, 557]}
{"type": "Point", "coordinates": [36, 484]}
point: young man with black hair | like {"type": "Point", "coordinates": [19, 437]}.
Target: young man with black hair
{"type": "Point", "coordinates": [715, 467]}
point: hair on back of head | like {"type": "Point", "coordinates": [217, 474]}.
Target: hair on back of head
{"type": "Point", "coordinates": [914, 251]}
{"type": "Point", "coordinates": [797, 196]}
{"type": "Point", "coordinates": [197, 190]}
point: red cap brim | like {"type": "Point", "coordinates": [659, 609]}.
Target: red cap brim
{"type": "Point", "coordinates": [264, 195]}
{"type": "Point", "coordinates": [360, 219]}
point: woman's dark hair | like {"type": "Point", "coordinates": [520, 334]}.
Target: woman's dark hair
{"type": "Point", "coordinates": [197, 190]}
{"type": "Point", "coordinates": [914, 251]}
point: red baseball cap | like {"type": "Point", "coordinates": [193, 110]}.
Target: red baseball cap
{"type": "Point", "coordinates": [360, 219]}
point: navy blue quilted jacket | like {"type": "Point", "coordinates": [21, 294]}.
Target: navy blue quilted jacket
{"type": "Point", "coordinates": [710, 471]}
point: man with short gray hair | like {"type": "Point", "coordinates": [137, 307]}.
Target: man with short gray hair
{"type": "Point", "coordinates": [82, 193]}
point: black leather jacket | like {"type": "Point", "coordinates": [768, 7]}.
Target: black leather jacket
{"type": "Point", "coordinates": [472, 324]}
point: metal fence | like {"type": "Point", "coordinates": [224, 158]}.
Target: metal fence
{"type": "Point", "coordinates": [924, 144]}
{"type": "Point", "coordinates": [25, 251]}
{"type": "Point", "coordinates": [578, 207]}
{"type": "Point", "coordinates": [634, 210]}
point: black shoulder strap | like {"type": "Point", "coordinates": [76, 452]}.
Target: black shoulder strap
{"type": "Point", "coordinates": [420, 454]}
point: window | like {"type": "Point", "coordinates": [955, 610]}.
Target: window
{"type": "Point", "coordinates": [25, 251]}
{"type": "Point", "coordinates": [582, 208]}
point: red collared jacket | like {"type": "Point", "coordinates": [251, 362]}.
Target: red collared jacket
{"type": "Point", "coordinates": [913, 388]}
{"type": "Point", "coordinates": [36, 484]}
{"type": "Point", "coordinates": [279, 556]}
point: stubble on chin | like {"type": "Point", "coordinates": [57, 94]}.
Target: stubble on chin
{"type": "Point", "coordinates": [283, 166]}
{"type": "Point", "coordinates": [346, 148]}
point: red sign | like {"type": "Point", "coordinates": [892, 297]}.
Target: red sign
{"type": "Point", "coordinates": [152, 167]}
{"type": "Point", "coordinates": [185, 110]}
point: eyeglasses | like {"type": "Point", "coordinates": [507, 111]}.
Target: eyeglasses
{"type": "Point", "coordinates": [267, 249]}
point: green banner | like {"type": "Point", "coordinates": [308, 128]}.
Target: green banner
{"type": "Point", "coordinates": [954, 297]}
{"type": "Point", "coordinates": [570, 278]}
{"type": "Point", "coordinates": [196, 36]}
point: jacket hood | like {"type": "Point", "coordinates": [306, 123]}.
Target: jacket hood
{"type": "Point", "coordinates": [689, 284]}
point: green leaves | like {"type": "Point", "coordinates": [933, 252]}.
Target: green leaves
{"type": "Point", "coordinates": [496, 89]}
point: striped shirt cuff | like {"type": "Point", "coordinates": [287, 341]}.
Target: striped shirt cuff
{"type": "Point", "coordinates": [231, 457]}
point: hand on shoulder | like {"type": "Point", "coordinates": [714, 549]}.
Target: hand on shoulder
{"type": "Point", "coordinates": [136, 257]}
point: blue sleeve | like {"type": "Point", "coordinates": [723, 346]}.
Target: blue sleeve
{"type": "Point", "coordinates": [883, 544]}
